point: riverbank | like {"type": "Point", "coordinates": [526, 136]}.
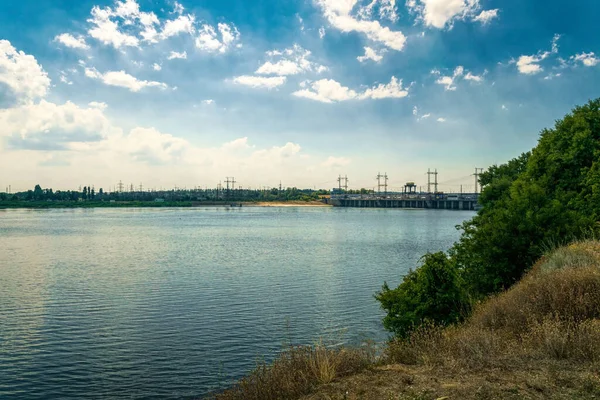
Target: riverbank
{"type": "Point", "coordinates": [149, 204]}
{"type": "Point", "coordinates": [291, 203]}
{"type": "Point", "coordinates": [538, 340]}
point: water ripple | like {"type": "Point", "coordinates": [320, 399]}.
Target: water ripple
{"type": "Point", "coordinates": [149, 304]}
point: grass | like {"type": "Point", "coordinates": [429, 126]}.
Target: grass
{"type": "Point", "coordinates": [538, 340]}
{"type": "Point", "coordinates": [298, 371]}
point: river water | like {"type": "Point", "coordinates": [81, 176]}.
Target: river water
{"type": "Point", "coordinates": [176, 303]}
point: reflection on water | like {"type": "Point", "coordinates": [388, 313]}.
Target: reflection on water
{"type": "Point", "coordinates": [172, 303]}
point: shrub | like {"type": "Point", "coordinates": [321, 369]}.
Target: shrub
{"type": "Point", "coordinates": [431, 293]}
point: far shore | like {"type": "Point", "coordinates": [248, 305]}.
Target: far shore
{"type": "Point", "coordinates": [291, 203]}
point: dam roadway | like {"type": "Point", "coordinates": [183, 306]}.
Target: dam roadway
{"type": "Point", "coordinates": [441, 202]}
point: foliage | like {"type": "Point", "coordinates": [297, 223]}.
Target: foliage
{"type": "Point", "coordinates": [549, 195]}
{"type": "Point", "coordinates": [432, 292]}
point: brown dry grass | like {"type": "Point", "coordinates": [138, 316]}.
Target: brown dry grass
{"type": "Point", "coordinates": [538, 340]}
{"type": "Point", "coordinates": [298, 371]}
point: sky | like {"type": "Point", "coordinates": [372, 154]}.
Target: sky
{"type": "Point", "coordinates": [185, 93]}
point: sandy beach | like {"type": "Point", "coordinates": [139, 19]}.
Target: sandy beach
{"type": "Point", "coordinates": [287, 204]}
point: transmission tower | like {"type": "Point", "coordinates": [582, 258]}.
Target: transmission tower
{"type": "Point", "coordinates": [384, 184]}
{"type": "Point", "coordinates": [141, 187]}
{"type": "Point", "coordinates": [120, 187]}
{"type": "Point", "coordinates": [346, 183]}
{"type": "Point", "coordinates": [434, 173]}
{"type": "Point", "coordinates": [478, 171]}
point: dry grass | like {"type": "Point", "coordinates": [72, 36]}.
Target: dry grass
{"type": "Point", "coordinates": [298, 371]}
{"type": "Point", "coordinates": [554, 312]}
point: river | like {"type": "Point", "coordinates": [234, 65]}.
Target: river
{"type": "Point", "coordinates": [176, 303]}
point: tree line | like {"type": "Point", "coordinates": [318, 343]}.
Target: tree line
{"type": "Point", "coordinates": [540, 199]}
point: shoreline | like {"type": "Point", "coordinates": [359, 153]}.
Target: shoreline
{"type": "Point", "coordinates": [292, 203]}
{"type": "Point", "coordinates": [176, 204]}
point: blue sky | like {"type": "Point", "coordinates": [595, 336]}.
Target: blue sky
{"type": "Point", "coordinates": [186, 93]}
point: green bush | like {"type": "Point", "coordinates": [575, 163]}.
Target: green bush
{"type": "Point", "coordinates": [548, 195]}
{"type": "Point", "coordinates": [431, 293]}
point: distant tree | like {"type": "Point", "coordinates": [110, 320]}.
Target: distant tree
{"type": "Point", "coordinates": [38, 193]}
{"type": "Point", "coordinates": [93, 194]}
{"type": "Point", "coordinates": [100, 192]}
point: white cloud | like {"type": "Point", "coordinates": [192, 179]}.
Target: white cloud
{"type": "Point", "coordinates": [587, 59]}
{"type": "Point", "coordinates": [71, 41]}
{"type": "Point", "coordinates": [485, 17]}
{"type": "Point", "coordinates": [107, 31]}
{"type": "Point", "coordinates": [441, 119]}
{"type": "Point", "coordinates": [21, 73]}
{"type": "Point", "coordinates": [555, 43]}
{"type": "Point", "coordinates": [449, 81]}
{"type": "Point", "coordinates": [63, 78]}
{"type": "Point", "coordinates": [443, 13]}
{"type": "Point", "coordinates": [387, 10]}
{"type": "Point", "coordinates": [504, 107]}
{"type": "Point", "coordinates": [178, 8]}
{"type": "Point", "coordinates": [371, 54]}
{"type": "Point", "coordinates": [122, 79]}
{"type": "Point", "coordinates": [46, 125]}
{"type": "Point", "coordinates": [393, 89]}
{"type": "Point", "coordinates": [260, 81]}
{"type": "Point", "coordinates": [125, 25]}
{"type": "Point", "coordinates": [329, 91]}
{"type": "Point", "coordinates": [208, 101]}
{"type": "Point", "coordinates": [321, 32]}
{"type": "Point", "coordinates": [151, 146]}
{"type": "Point", "coordinates": [338, 13]}
{"type": "Point", "coordinates": [182, 24]}
{"type": "Point", "coordinates": [99, 105]}
{"type": "Point", "coordinates": [552, 76]}
{"type": "Point", "coordinates": [156, 67]}
{"type": "Point", "coordinates": [476, 78]}
{"type": "Point", "coordinates": [208, 38]}
{"type": "Point", "coordinates": [529, 65]}
{"type": "Point", "coordinates": [292, 61]}
{"type": "Point", "coordinates": [415, 112]}
{"type": "Point", "coordinates": [175, 55]}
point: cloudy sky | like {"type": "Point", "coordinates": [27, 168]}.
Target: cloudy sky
{"type": "Point", "coordinates": [186, 93]}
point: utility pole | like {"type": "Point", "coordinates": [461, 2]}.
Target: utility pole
{"type": "Point", "coordinates": [478, 171]}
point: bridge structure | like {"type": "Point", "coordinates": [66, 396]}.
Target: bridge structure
{"type": "Point", "coordinates": [445, 201]}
